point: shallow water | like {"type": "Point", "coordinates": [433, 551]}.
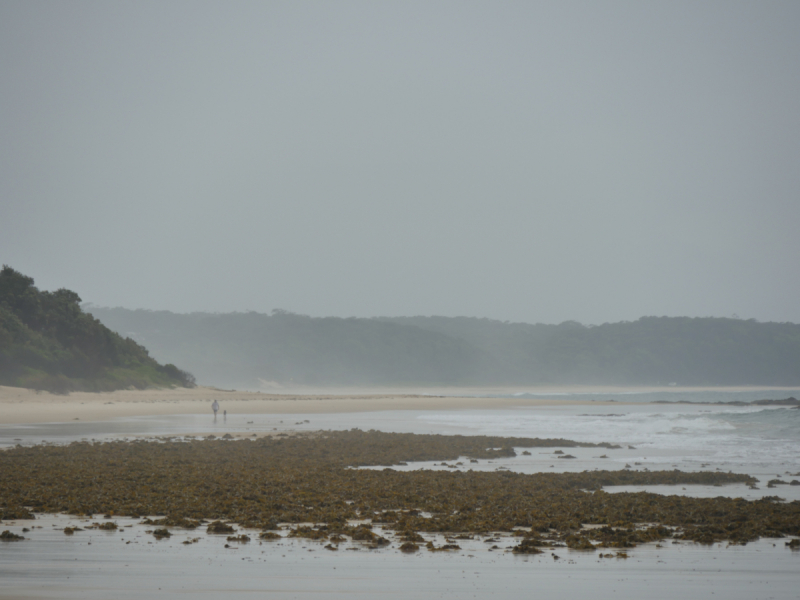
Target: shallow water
{"type": "Point", "coordinates": [99, 564]}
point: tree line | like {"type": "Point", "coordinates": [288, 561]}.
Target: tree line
{"type": "Point", "coordinates": [244, 349]}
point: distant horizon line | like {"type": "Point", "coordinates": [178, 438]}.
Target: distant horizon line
{"type": "Point", "coordinates": [87, 306]}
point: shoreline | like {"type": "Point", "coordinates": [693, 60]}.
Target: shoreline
{"type": "Point", "coordinates": [21, 406]}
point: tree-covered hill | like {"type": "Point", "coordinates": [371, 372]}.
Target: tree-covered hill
{"type": "Point", "coordinates": [47, 342]}
{"type": "Point", "coordinates": [238, 349]}
{"type": "Point", "coordinates": [651, 350]}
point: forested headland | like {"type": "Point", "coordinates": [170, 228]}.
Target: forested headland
{"type": "Point", "coordinates": [48, 343]}
{"type": "Point", "coordinates": [244, 349]}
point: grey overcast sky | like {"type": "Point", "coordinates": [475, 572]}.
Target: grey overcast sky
{"type": "Point", "coordinates": [524, 161]}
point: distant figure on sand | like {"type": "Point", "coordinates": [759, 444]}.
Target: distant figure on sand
{"type": "Point", "coordinates": [225, 414]}
{"type": "Point", "coordinates": [215, 408]}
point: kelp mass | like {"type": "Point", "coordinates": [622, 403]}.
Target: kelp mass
{"type": "Point", "coordinates": [310, 479]}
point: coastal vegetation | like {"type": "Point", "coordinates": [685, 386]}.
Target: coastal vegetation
{"type": "Point", "coordinates": [312, 484]}
{"type": "Point", "coordinates": [48, 342]}
{"type": "Point", "coordinates": [239, 349]}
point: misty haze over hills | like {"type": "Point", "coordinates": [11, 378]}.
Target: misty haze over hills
{"type": "Point", "coordinates": [250, 350]}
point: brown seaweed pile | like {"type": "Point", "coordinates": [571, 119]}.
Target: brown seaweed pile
{"type": "Point", "coordinates": [161, 533]}
{"type": "Point", "coordinates": [310, 480]}
{"type": "Point", "coordinates": [107, 526]}
{"type": "Point", "coordinates": [173, 522]}
{"type": "Point", "coordinates": [219, 527]}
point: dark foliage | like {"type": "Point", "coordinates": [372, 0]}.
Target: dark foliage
{"type": "Point", "coordinates": [47, 342]}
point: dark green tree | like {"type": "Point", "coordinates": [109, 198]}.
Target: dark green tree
{"type": "Point", "coordinates": [48, 342]}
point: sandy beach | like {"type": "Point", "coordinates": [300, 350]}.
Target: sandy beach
{"type": "Point", "coordinates": [19, 405]}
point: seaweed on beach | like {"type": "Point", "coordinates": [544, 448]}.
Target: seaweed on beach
{"type": "Point", "coordinates": [161, 533]}
{"type": "Point", "coordinates": [311, 479]}
{"type": "Point", "coordinates": [527, 546]}
{"type": "Point", "coordinates": [219, 527]}
{"type": "Point", "coordinates": [173, 522]}
{"type": "Point", "coordinates": [11, 512]}
{"type": "Point", "coordinates": [107, 526]}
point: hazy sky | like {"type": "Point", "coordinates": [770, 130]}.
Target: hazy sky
{"type": "Point", "coordinates": [529, 161]}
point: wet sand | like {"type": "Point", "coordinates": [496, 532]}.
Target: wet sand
{"type": "Point", "coordinates": [130, 563]}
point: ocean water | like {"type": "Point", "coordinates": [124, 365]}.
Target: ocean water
{"type": "Point", "coordinates": [700, 433]}
{"type": "Point", "coordinates": [676, 395]}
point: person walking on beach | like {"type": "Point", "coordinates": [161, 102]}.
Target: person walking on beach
{"type": "Point", "coordinates": [215, 408]}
